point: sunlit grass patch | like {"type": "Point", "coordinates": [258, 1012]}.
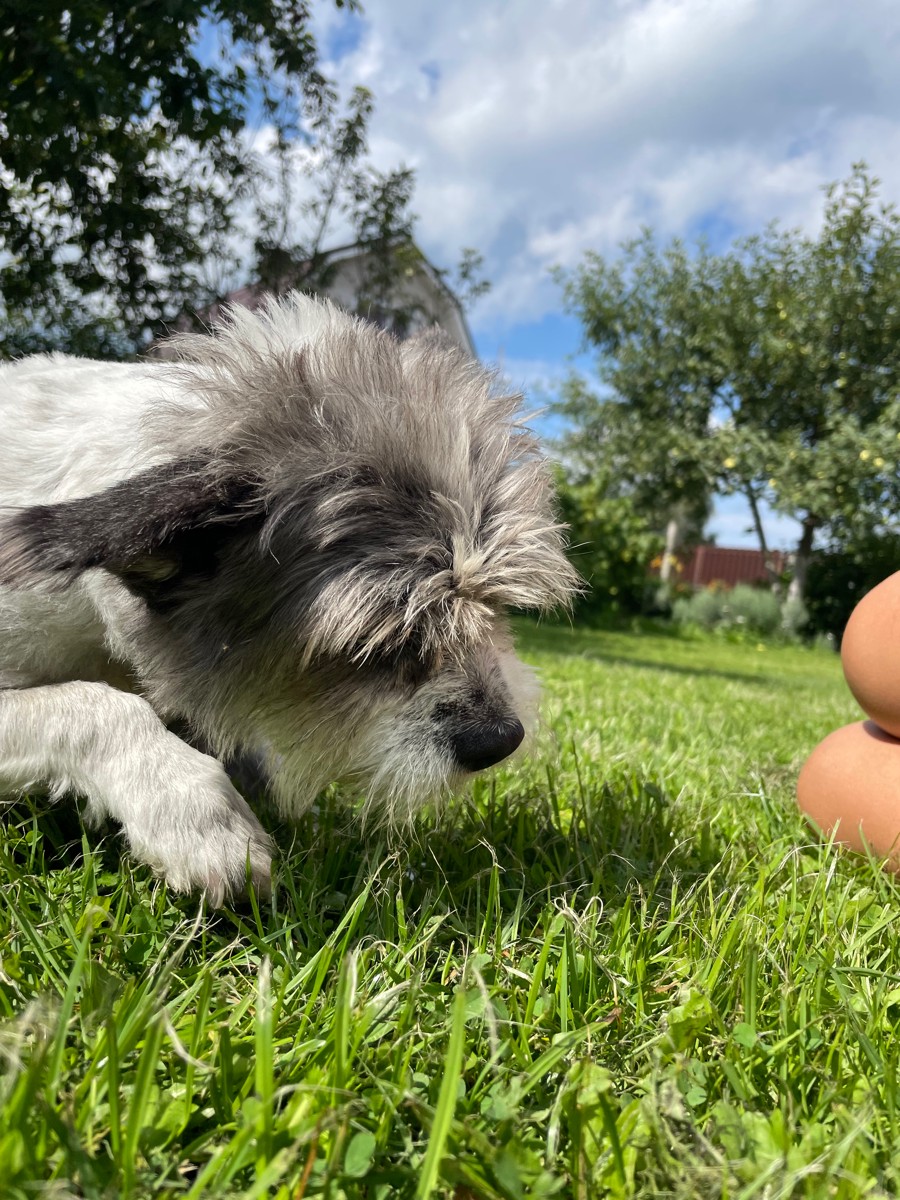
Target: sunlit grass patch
{"type": "Point", "coordinates": [626, 969]}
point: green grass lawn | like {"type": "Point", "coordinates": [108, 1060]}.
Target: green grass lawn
{"type": "Point", "coordinates": [626, 970]}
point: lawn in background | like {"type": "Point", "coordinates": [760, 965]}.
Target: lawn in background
{"type": "Point", "coordinates": [626, 970]}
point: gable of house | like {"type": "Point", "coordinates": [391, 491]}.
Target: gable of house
{"type": "Point", "coordinates": [419, 299]}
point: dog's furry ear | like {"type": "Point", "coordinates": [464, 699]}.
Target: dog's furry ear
{"type": "Point", "coordinates": [150, 530]}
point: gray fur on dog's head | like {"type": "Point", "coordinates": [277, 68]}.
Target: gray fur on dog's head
{"type": "Point", "coordinates": [325, 563]}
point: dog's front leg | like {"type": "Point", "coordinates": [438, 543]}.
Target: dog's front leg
{"type": "Point", "coordinates": [176, 805]}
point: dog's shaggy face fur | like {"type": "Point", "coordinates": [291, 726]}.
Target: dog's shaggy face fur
{"type": "Point", "coordinates": [320, 561]}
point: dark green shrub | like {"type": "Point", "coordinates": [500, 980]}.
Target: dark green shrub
{"type": "Point", "coordinates": [838, 579]}
{"type": "Point", "coordinates": [611, 545]}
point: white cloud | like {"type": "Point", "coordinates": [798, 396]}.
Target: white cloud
{"type": "Point", "coordinates": [545, 128]}
{"type": "Point", "coordinates": [531, 374]}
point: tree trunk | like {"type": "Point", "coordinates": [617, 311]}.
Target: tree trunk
{"type": "Point", "coordinates": [797, 588]}
{"type": "Point", "coordinates": [774, 577]}
{"type": "Point", "coordinates": [673, 536]}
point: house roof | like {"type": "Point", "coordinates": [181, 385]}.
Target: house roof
{"type": "Point", "coordinates": [253, 295]}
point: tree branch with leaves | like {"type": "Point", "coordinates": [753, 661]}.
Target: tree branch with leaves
{"type": "Point", "coordinates": [127, 165]}
{"type": "Point", "coordinates": [771, 369]}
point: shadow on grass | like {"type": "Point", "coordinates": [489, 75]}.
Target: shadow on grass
{"type": "Point", "coordinates": [620, 841]}
{"type": "Point", "coordinates": [44, 836]}
{"type": "Point", "coordinates": [623, 841]}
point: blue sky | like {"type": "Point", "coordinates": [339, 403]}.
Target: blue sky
{"type": "Point", "coordinates": [540, 129]}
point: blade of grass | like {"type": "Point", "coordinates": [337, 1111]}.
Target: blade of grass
{"type": "Point", "coordinates": [446, 1105]}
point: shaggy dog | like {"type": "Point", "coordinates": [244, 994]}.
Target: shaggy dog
{"type": "Point", "coordinates": [300, 538]}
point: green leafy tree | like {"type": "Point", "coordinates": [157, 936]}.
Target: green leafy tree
{"type": "Point", "coordinates": [625, 443]}
{"type": "Point", "coordinates": [372, 208]}
{"type": "Point", "coordinates": [127, 165]}
{"type": "Point", "coordinates": [771, 370]}
{"type": "Point", "coordinates": [610, 542]}
{"type": "Point", "coordinates": [123, 147]}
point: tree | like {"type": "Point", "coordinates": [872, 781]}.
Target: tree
{"type": "Point", "coordinates": [772, 369]}
{"type": "Point", "coordinates": [123, 140]}
{"type": "Point", "coordinates": [610, 542]}
{"type": "Point", "coordinates": [645, 460]}
{"type": "Point", "coordinates": [126, 165]}
{"type": "Point", "coordinates": [372, 207]}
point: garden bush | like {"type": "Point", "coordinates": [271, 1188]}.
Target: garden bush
{"type": "Point", "coordinates": [702, 608]}
{"type": "Point", "coordinates": [840, 577]}
{"type": "Point", "coordinates": [742, 608]}
{"type": "Point", "coordinates": [754, 608]}
{"type": "Point", "coordinates": [610, 545]}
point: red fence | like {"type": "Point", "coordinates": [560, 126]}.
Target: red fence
{"type": "Point", "coordinates": [718, 564]}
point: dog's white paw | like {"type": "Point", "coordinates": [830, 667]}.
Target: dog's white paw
{"type": "Point", "coordinates": [186, 820]}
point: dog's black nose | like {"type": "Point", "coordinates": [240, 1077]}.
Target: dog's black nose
{"type": "Point", "coordinates": [480, 746]}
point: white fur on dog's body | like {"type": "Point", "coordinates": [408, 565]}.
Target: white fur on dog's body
{"type": "Point", "coordinates": [69, 428]}
{"type": "Point", "coordinates": [72, 426]}
{"type": "Point", "coordinates": [87, 676]}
